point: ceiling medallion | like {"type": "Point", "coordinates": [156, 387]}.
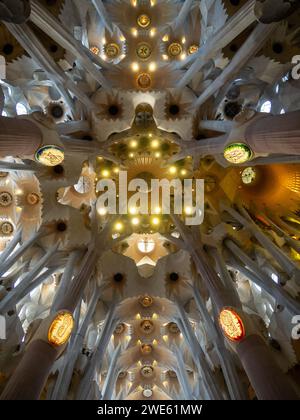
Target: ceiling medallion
{"type": "Point", "coordinates": [50, 155]}
{"type": "Point", "coordinates": [146, 301]}
{"type": "Point", "coordinates": [144, 81]}
{"type": "Point", "coordinates": [147, 326]}
{"type": "Point", "coordinates": [112, 50]}
{"type": "Point", "coordinates": [95, 50]}
{"type": "Point", "coordinates": [7, 228]}
{"type": "Point", "coordinates": [60, 329]}
{"type": "Point", "coordinates": [193, 49]}
{"type": "Point", "coordinates": [6, 199]}
{"type": "Point", "coordinates": [249, 175]}
{"type": "Point", "coordinates": [238, 153]}
{"type": "Point", "coordinates": [143, 50]}
{"type": "Point", "coordinates": [173, 328]}
{"type": "Point", "coordinates": [147, 371]}
{"type": "Point", "coordinates": [143, 20]}
{"type": "Point", "coordinates": [231, 324]}
{"type": "Point", "coordinates": [32, 199]}
{"type": "Point", "coordinates": [120, 328]}
{"type": "Point", "coordinates": [175, 49]}
{"type": "Point", "coordinates": [146, 349]}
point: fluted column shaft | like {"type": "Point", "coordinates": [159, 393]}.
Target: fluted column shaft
{"type": "Point", "coordinates": [276, 134]}
{"type": "Point", "coordinates": [31, 374]}
{"type": "Point", "coordinates": [18, 137]}
{"type": "Point", "coordinates": [269, 382]}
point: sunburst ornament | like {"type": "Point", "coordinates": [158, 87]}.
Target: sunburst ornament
{"type": "Point", "coordinates": [144, 50]}
{"type": "Point", "coordinates": [112, 50]}
{"type": "Point", "coordinates": [175, 49]}
{"type": "Point", "coordinates": [144, 81]}
{"type": "Point", "coordinates": [6, 228]}
{"type": "Point", "coordinates": [143, 20]}
{"type": "Point", "coordinates": [231, 324]}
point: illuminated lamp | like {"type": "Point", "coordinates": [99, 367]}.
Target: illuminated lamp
{"type": "Point", "coordinates": [61, 328]}
{"type": "Point", "coordinates": [231, 324]}
{"type": "Point", "coordinates": [50, 155]}
{"type": "Point", "coordinates": [143, 20]}
{"type": "Point", "coordinates": [238, 153]}
{"type": "Point", "coordinates": [147, 393]}
{"type": "Point", "coordinates": [95, 50]}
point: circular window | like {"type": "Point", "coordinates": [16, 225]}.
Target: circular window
{"type": "Point", "coordinates": [5, 199]}
{"type": "Point", "coordinates": [146, 246]}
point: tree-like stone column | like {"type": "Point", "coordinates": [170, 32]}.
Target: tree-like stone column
{"type": "Point", "coordinates": [14, 11]}
{"type": "Point", "coordinates": [276, 134]}
{"type": "Point", "coordinates": [19, 137]}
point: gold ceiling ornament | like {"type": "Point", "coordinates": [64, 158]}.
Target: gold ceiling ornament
{"type": "Point", "coordinates": [249, 175]}
{"type": "Point", "coordinates": [144, 50]}
{"type": "Point", "coordinates": [146, 349]}
{"type": "Point", "coordinates": [120, 328]}
{"type": "Point", "coordinates": [32, 199]}
{"type": "Point", "coordinates": [6, 228]}
{"type": "Point", "coordinates": [50, 155]}
{"type": "Point", "coordinates": [173, 328]}
{"type": "Point", "coordinates": [61, 328]}
{"type": "Point", "coordinates": [147, 326]}
{"type": "Point", "coordinates": [144, 81]}
{"type": "Point", "coordinates": [175, 49]}
{"type": "Point", "coordinates": [231, 324]}
{"type": "Point", "coordinates": [146, 301]}
{"type": "Point", "coordinates": [95, 50]}
{"type": "Point", "coordinates": [3, 174]}
{"type": "Point", "coordinates": [112, 50]}
{"type": "Point", "coordinates": [6, 199]}
{"type": "Point", "coordinates": [193, 49]}
{"type": "Point", "coordinates": [147, 371]}
{"type": "Point", "coordinates": [143, 20]}
{"type": "Point", "coordinates": [238, 153]}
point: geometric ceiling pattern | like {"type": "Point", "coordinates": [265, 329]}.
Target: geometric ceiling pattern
{"type": "Point", "coordinates": [196, 301]}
